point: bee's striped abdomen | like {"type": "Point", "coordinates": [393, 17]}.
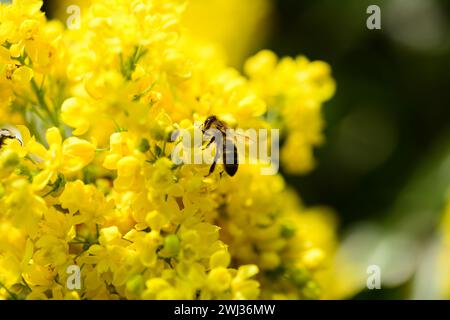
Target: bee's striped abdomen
{"type": "Point", "coordinates": [230, 157]}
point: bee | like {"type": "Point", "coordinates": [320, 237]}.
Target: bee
{"type": "Point", "coordinates": [5, 134]}
{"type": "Point", "coordinates": [225, 148]}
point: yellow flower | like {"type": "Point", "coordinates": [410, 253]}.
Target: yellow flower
{"type": "Point", "coordinates": [86, 200]}
{"type": "Point", "coordinates": [24, 208]}
{"type": "Point", "coordinates": [22, 74]}
{"type": "Point", "coordinates": [51, 250]}
{"type": "Point", "coordinates": [219, 279]}
{"type": "Point", "coordinates": [71, 110]}
{"type": "Point", "coordinates": [242, 287]}
{"type": "Point", "coordinates": [66, 157]}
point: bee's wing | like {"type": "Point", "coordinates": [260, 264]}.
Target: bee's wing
{"type": "Point", "coordinates": [247, 138]}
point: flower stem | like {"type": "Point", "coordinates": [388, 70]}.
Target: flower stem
{"type": "Point", "coordinates": [41, 100]}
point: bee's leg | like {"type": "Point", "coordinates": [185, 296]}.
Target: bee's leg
{"type": "Point", "coordinates": [209, 142]}
{"type": "Point", "coordinates": [221, 173]}
{"type": "Point", "coordinates": [211, 169]}
{"type": "Point", "coordinates": [213, 166]}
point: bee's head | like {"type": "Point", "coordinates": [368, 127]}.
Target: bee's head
{"type": "Point", "coordinates": [208, 122]}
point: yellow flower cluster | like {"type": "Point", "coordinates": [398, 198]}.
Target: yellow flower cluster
{"type": "Point", "coordinates": [89, 180]}
{"type": "Point", "coordinates": [294, 90]}
{"type": "Point", "coordinates": [237, 27]}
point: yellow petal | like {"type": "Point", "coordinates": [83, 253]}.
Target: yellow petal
{"type": "Point", "coordinates": [53, 136]}
{"type": "Point", "coordinates": [41, 179]}
{"type": "Point", "coordinates": [23, 75]}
